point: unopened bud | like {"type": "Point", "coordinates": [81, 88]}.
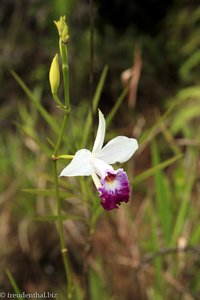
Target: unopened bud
{"type": "Point", "coordinates": [62, 29]}
{"type": "Point", "coordinates": [54, 75]}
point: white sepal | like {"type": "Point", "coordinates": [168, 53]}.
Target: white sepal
{"type": "Point", "coordinates": [80, 165]}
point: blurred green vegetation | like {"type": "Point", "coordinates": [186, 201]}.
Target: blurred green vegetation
{"type": "Point", "coordinates": [148, 249]}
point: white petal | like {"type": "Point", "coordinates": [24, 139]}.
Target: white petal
{"type": "Point", "coordinates": [80, 165]}
{"type": "Point", "coordinates": [100, 134]}
{"type": "Point", "coordinates": [100, 167]}
{"type": "Point", "coordinates": [119, 149]}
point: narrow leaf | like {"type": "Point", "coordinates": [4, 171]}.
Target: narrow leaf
{"type": "Point", "coordinates": [115, 108]}
{"type": "Point", "coordinates": [99, 89]}
{"type": "Point", "coordinates": [14, 284]}
{"type": "Point", "coordinates": [144, 175]}
{"type": "Point", "coordinates": [95, 102]}
{"type": "Point", "coordinates": [48, 118]}
{"type": "Point", "coordinates": [46, 192]}
{"type": "Point", "coordinates": [53, 218]}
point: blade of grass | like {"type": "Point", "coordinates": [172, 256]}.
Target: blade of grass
{"type": "Point", "coordinates": [14, 284]}
{"type": "Point", "coordinates": [87, 129]}
{"type": "Point", "coordinates": [97, 291]}
{"type": "Point", "coordinates": [183, 209]}
{"type": "Point", "coordinates": [98, 92]}
{"type": "Point", "coordinates": [151, 171]}
{"type": "Point", "coordinates": [47, 192]}
{"type": "Point", "coordinates": [115, 108]}
{"type": "Point", "coordinates": [95, 102]}
{"type": "Point", "coordinates": [147, 137]}
{"type": "Point", "coordinates": [157, 262]}
{"type": "Point", "coordinates": [170, 139]}
{"type": "Point", "coordinates": [185, 115]}
{"type": "Point", "coordinates": [47, 117]}
{"type": "Point", "coordinates": [195, 238]}
{"type": "Point", "coordinates": [53, 218]}
{"type": "Point", "coordinates": [31, 135]}
{"type": "Point", "coordinates": [162, 200]}
{"type": "Point", "coordinates": [174, 103]}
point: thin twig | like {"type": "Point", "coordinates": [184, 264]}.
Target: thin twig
{"type": "Point", "coordinates": [149, 257]}
{"type": "Point", "coordinates": [166, 251]}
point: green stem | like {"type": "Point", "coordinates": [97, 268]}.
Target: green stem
{"type": "Point", "coordinates": [63, 51]}
{"type": "Point", "coordinates": [61, 233]}
{"type": "Point", "coordinates": [59, 141]}
{"type": "Point", "coordinates": [65, 70]}
{"type": "Point", "coordinates": [59, 210]}
{"type": "Point", "coordinates": [57, 100]}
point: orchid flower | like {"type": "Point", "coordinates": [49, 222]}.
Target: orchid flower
{"type": "Point", "coordinates": [113, 186]}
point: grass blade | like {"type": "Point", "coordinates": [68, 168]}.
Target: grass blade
{"type": "Point", "coordinates": [162, 199]}
{"type": "Point", "coordinates": [53, 218]}
{"type": "Point", "coordinates": [95, 102]}
{"type": "Point", "coordinates": [157, 262]}
{"type": "Point", "coordinates": [144, 175]}
{"type": "Point", "coordinates": [115, 108]}
{"type": "Point", "coordinates": [183, 210]}
{"type": "Point", "coordinates": [46, 192]}
{"type": "Point", "coordinates": [48, 118]}
{"type": "Point", "coordinates": [14, 284]}
{"type": "Point", "coordinates": [98, 92]}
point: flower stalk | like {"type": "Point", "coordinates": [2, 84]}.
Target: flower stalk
{"type": "Point", "coordinates": [65, 71]}
{"type": "Point", "coordinates": [61, 233]}
{"type": "Point", "coordinates": [57, 100]}
{"type": "Point", "coordinates": [63, 33]}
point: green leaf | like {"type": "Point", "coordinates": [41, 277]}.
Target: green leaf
{"type": "Point", "coordinates": [189, 92]}
{"type": "Point", "coordinates": [144, 175]}
{"type": "Point", "coordinates": [162, 199]}
{"type": "Point", "coordinates": [29, 132]}
{"type": "Point", "coordinates": [14, 284]}
{"type": "Point", "coordinates": [97, 291]}
{"type": "Point", "coordinates": [185, 115]}
{"type": "Point", "coordinates": [195, 237]}
{"type": "Point", "coordinates": [192, 62]}
{"type": "Point", "coordinates": [47, 192]}
{"type": "Point", "coordinates": [48, 118]}
{"type": "Point", "coordinates": [98, 92]}
{"type": "Point", "coordinates": [184, 205]}
{"type": "Point", "coordinates": [95, 102]}
{"type": "Point", "coordinates": [115, 108]}
{"type": "Point", "coordinates": [53, 218]}
{"type": "Point", "coordinates": [157, 262]}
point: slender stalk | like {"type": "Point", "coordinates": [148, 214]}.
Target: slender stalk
{"type": "Point", "coordinates": [65, 70]}
{"type": "Point", "coordinates": [57, 100]}
{"type": "Point", "coordinates": [59, 210]}
{"type": "Point", "coordinates": [88, 248]}
{"type": "Point", "coordinates": [62, 131]}
{"type": "Point", "coordinates": [64, 57]}
{"type": "Point", "coordinates": [61, 233]}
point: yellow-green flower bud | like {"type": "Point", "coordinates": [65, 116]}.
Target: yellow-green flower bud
{"type": "Point", "coordinates": [54, 75]}
{"type": "Point", "coordinates": [62, 29]}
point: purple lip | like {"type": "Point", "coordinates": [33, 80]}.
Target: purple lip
{"type": "Point", "coordinates": [115, 189]}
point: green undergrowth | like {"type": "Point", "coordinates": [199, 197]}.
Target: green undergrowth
{"type": "Point", "coordinates": [153, 241]}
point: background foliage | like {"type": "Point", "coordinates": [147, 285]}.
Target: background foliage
{"type": "Point", "coordinates": [148, 249]}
